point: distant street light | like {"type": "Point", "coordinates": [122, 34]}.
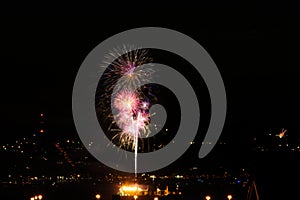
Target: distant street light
{"type": "Point", "coordinates": [98, 196]}
{"type": "Point", "coordinates": [207, 197]}
{"type": "Point", "coordinates": [39, 197]}
{"type": "Point", "coordinates": [155, 198]}
{"type": "Point", "coordinates": [135, 197]}
{"type": "Point", "coordinates": [229, 197]}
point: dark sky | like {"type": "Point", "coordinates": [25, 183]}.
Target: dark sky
{"type": "Point", "coordinates": [255, 46]}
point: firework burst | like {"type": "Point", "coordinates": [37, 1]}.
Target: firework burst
{"type": "Point", "coordinates": [126, 66]}
{"type": "Point", "coordinates": [132, 117]}
{"type": "Point", "coordinates": [121, 101]}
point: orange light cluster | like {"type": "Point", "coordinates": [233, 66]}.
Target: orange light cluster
{"type": "Point", "coordinates": [64, 154]}
{"type": "Point", "coordinates": [131, 190]}
{"type": "Point", "coordinates": [39, 197]}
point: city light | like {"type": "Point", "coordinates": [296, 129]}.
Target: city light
{"type": "Point", "coordinates": [36, 197]}
{"type": "Point", "coordinates": [135, 197]}
{"type": "Point", "coordinates": [98, 196]}
{"type": "Point", "coordinates": [155, 198]}
{"type": "Point", "coordinates": [229, 197]}
{"type": "Point", "coordinates": [207, 198]}
{"type": "Point", "coordinates": [130, 188]}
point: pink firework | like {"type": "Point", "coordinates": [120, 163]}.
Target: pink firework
{"type": "Point", "coordinates": [126, 101]}
{"type": "Point", "coordinates": [128, 63]}
{"type": "Point", "coordinates": [127, 68]}
{"type": "Point", "coordinates": [132, 116]}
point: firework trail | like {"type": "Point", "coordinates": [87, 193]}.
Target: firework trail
{"type": "Point", "coordinates": [129, 106]}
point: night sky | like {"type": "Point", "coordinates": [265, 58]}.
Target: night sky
{"type": "Point", "coordinates": [255, 46]}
